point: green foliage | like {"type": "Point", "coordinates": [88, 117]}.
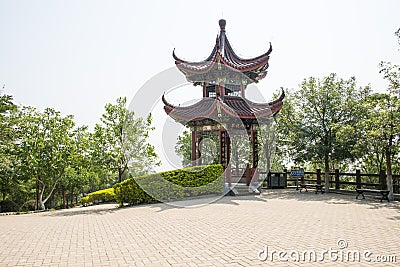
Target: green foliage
{"type": "Point", "coordinates": [267, 145]}
{"type": "Point", "coordinates": [317, 122]}
{"type": "Point", "coordinates": [121, 141]}
{"type": "Point", "coordinates": [240, 151]}
{"type": "Point", "coordinates": [8, 158]}
{"type": "Point", "coordinates": [45, 152]}
{"type": "Point", "coordinates": [170, 185]}
{"type": "Point", "coordinates": [28, 206]}
{"type": "Point", "coordinates": [45, 146]}
{"type": "Point", "coordinates": [183, 148]}
{"type": "Point", "coordinates": [105, 195]}
{"type": "Point", "coordinates": [209, 148]}
{"type": "Point", "coordinates": [8, 206]}
{"type": "Point", "coordinates": [130, 192]}
{"type": "Point", "coordinates": [380, 129]}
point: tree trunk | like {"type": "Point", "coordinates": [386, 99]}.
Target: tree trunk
{"type": "Point", "coordinates": [41, 202]}
{"type": "Point", "coordinates": [63, 196]}
{"type": "Point", "coordinates": [326, 163]}
{"type": "Point", "coordinates": [71, 199]}
{"type": "Point", "coordinates": [120, 173]}
{"type": "Point", "coordinates": [237, 162]}
{"type": "Point", "coordinates": [389, 177]}
{"type": "Point", "coordinates": [268, 160]}
{"type": "Point", "coordinates": [41, 205]}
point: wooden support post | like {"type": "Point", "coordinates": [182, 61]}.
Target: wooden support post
{"type": "Point", "coordinates": [254, 146]}
{"type": "Point", "coordinates": [228, 175]}
{"type": "Point", "coordinates": [199, 140]}
{"type": "Point", "coordinates": [254, 175]}
{"type": "Point", "coordinates": [285, 172]}
{"type": "Point", "coordinates": [228, 149]}
{"type": "Point", "coordinates": [222, 148]}
{"type": "Point", "coordinates": [228, 171]}
{"type": "Point", "coordinates": [194, 152]}
{"type": "Point", "coordinates": [358, 179]}
{"type": "Point", "coordinates": [337, 181]}
{"type": "Point", "coordinates": [248, 175]}
{"type": "Point", "coordinates": [268, 179]}
{"type": "Point", "coordinates": [382, 180]}
{"type": "Point", "coordinates": [318, 176]}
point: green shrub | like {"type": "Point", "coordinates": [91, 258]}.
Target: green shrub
{"type": "Point", "coordinates": [170, 185]}
{"type": "Point", "coordinates": [29, 205]}
{"type": "Point", "coordinates": [8, 206]}
{"type": "Point", "coordinates": [105, 195]}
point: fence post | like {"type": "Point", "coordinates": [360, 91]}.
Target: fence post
{"type": "Point", "coordinates": [358, 179]}
{"type": "Point", "coordinates": [318, 176]}
{"type": "Point", "coordinates": [285, 172]}
{"type": "Point", "coordinates": [337, 181]}
{"type": "Point", "coordinates": [382, 179]}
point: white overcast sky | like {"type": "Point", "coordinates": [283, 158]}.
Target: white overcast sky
{"type": "Point", "coordinates": [75, 56]}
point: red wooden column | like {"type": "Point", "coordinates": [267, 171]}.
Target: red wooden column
{"type": "Point", "coordinates": [228, 171]}
{"type": "Point", "coordinates": [254, 144]}
{"type": "Point", "coordinates": [222, 148]}
{"type": "Point", "coordinates": [199, 139]}
{"type": "Point", "coordinates": [194, 150]}
{"type": "Point", "coordinates": [228, 149]}
{"type": "Point", "coordinates": [242, 89]}
{"type": "Point", "coordinates": [254, 152]}
{"type": "Point", "coordinates": [222, 89]}
{"type": "Point", "coordinates": [217, 91]}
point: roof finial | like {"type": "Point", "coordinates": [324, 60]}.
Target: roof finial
{"type": "Point", "coordinates": [222, 24]}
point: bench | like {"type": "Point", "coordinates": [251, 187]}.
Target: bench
{"type": "Point", "coordinates": [384, 193]}
{"type": "Point", "coordinates": [318, 187]}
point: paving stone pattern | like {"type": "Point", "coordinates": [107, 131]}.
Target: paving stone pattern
{"type": "Point", "coordinates": [230, 232]}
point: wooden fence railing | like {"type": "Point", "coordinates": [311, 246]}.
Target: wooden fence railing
{"type": "Point", "coordinates": [344, 180]}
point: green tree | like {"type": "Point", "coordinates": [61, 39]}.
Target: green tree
{"type": "Point", "coordinates": [80, 173]}
{"type": "Point", "coordinates": [45, 146]}
{"type": "Point", "coordinates": [209, 148]}
{"type": "Point", "coordinates": [381, 129]}
{"type": "Point", "coordinates": [7, 145]}
{"type": "Point", "coordinates": [121, 141]}
{"type": "Point", "coordinates": [183, 148]}
{"type": "Point", "coordinates": [240, 152]}
{"type": "Point", "coordinates": [388, 118]}
{"type": "Point", "coordinates": [319, 124]}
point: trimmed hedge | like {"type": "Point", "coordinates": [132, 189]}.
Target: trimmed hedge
{"type": "Point", "coordinates": [171, 185]}
{"type": "Point", "coordinates": [105, 195]}
{"type": "Point", "coordinates": [8, 206]}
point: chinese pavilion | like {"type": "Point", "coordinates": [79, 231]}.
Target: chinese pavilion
{"type": "Point", "coordinates": [224, 109]}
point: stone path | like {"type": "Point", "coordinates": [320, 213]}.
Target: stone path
{"type": "Point", "coordinates": [285, 224]}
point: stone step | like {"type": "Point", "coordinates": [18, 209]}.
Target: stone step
{"type": "Point", "coordinates": [237, 179]}
{"type": "Point", "coordinates": [242, 189]}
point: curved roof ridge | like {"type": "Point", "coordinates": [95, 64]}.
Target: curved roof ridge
{"type": "Point", "coordinates": [223, 50]}
{"type": "Point", "coordinates": [257, 58]}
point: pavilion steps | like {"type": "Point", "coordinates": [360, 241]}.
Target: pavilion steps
{"type": "Point", "coordinates": [238, 179]}
{"type": "Point", "coordinates": [241, 189]}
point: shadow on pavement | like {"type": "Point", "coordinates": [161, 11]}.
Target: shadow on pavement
{"type": "Point", "coordinates": [100, 209]}
{"type": "Point", "coordinates": [336, 198]}
{"type": "Point", "coordinates": [199, 202]}
{"type": "Point", "coordinates": [333, 198]}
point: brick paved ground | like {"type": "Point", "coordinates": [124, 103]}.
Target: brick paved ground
{"type": "Point", "coordinates": [229, 232]}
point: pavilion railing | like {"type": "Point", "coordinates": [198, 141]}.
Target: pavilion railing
{"type": "Point", "coordinates": [344, 180]}
{"type": "Point", "coordinates": [238, 171]}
